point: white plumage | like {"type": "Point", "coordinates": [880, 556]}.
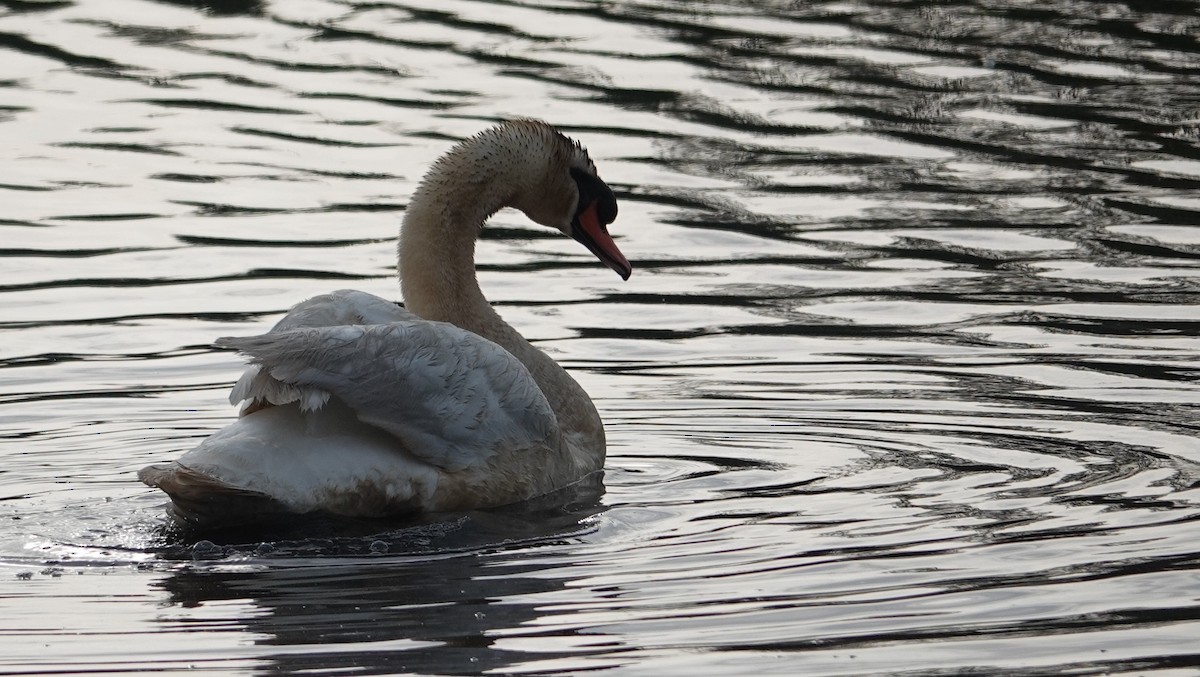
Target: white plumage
{"type": "Point", "coordinates": [450, 397]}
{"type": "Point", "coordinates": [357, 406]}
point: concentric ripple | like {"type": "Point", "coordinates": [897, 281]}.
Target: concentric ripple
{"type": "Point", "coordinates": [905, 380]}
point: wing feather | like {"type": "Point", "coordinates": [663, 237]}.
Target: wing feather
{"type": "Point", "coordinates": [450, 396]}
{"type": "Point", "coordinates": [342, 307]}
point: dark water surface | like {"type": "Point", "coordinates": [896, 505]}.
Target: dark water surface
{"type": "Point", "coordinates": [905, 380]}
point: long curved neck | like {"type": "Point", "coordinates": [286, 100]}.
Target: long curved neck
{"type": "Point", "coordinates": [437, 251]}
{"type": "Point", "coordinates": [437, 269]}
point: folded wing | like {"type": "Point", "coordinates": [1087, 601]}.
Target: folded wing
{"type": "Point", "coordinates": [450, 397]}
{"type": "Point", "coordinates": [343, 307]}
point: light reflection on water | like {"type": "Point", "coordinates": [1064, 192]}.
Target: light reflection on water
{"type": "Point", "coordinates": [905, 379]}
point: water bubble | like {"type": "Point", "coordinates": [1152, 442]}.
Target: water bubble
{"type": "Point", "coordinates": [206, 549]}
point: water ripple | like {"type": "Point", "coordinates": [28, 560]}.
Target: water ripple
{"type": "Point", "coordinates": [904, 383]}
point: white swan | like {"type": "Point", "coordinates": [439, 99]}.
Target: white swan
{"type": "Point", "coordinates": [358, 407]}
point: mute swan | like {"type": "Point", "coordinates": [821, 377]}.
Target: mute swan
{"type": "Point", "coordinates": [358, 407]}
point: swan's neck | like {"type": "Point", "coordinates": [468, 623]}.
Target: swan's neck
{"type": "Point", "coordinates": [437, 261]}
{"type": "Point", "coordinates": [437, 243]}
{"type": "Point", "coordinates": [437, 252]}
{"type": "Point", "coordinates": [501, 167]}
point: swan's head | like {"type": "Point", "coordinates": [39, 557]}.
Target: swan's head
{"type": "Point", "coordinates": [561, 189]}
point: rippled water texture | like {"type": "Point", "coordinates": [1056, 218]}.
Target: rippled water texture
{"type": "Point", "coordinates": [905, 379]}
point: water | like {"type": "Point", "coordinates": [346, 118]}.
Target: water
{"type": "Point", "coordinates": [905, 380]}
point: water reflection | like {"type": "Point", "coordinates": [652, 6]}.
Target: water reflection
{"type": "Point", "coordinates": [221, 7]}
{"type": "Point", "coordinates": [424, 599]}
{"type": "Point", "coordinates": [379, 616]}
{"type": "Point", "coordinates": [907, 373]}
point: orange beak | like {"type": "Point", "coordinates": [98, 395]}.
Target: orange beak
{"type": "Point", "coordinates": [594, 235]}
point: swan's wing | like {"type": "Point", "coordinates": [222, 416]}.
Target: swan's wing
{"type": "Point", "coordinates": [451, 397]}
{"type": "Point", "coordinates": [342, 307]}
{"type": "Point", "coordinates": [345, 306]}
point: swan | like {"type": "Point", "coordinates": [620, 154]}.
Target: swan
{"type": "Point", "coordinates": [355, 406]}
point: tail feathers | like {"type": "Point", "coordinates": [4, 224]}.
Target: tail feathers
{"type": "Point", "coordinates": [260, 388]}
{"type": "Point", "coordinates": [202, 502]}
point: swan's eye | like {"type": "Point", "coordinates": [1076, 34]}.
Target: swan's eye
{"type": "Point", "coordinates": [594, 191]}
{"type": "Point", "coordinates": [606, 209]}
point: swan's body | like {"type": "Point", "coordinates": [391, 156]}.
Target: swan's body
{"type": "Point", "coordinates": [358, 407]}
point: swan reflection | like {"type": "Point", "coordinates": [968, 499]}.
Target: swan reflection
{"type": "Point", "coordinates": [432, 599]}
